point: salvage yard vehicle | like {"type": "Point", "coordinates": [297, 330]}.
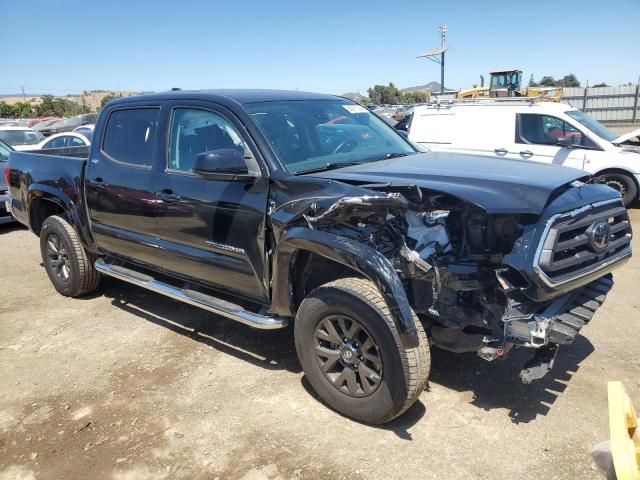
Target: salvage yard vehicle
{"type": "Point", "coordinates": [529, 130]}
{"type": "Point", "coordinates": [64, 140]}
{"type": "Point", "coordinates": [20, 138]}
{"type": "Point", "coordinates": [5, 214]}
{"type": "Point", "coordinates": [258, 206]}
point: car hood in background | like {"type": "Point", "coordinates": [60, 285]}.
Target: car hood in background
{"type": "Point", "coordinates": [25, 148]}
{"type": "Point", "coordinates": [627, 136]}
{"type": "Point", "coordinates": [497, 186]}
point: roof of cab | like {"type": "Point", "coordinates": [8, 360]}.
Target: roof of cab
{"type": "Point", "coordinates": [242, 96]}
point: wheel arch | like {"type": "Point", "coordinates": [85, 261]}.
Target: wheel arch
{"type": "Point", "coordinates": [300, 245]}
{"type": "Point", "coordinates": [621, 171]}
{"type": "Point", "coordinates": [44, 201]}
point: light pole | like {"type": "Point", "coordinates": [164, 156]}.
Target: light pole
{"type": "Point", "coordinates": [437, 54]}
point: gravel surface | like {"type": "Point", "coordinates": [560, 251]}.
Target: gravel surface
{"type": "Point", "coordinates": [127, 384]}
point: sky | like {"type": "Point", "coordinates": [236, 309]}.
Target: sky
{"type": "Point", "coordinates": [328, 46]}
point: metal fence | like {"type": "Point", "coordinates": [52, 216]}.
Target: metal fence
{"type": "Point", "coordinates": [606, 104]}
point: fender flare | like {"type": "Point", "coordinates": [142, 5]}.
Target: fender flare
{"type": "Point", "coordinates": [44, 192]}
{"type": "Point", "coordinates": [361, 258]}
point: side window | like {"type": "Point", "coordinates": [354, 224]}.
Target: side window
{"type": "Point", "coordinates": [130, 135]}
{"type": "Point", "coordinates": [55, 143]}
{"type": "Point", "coordinates": [76, 142]}
{"type": "Point", "coordinates": [547, 130]}
{"type": "Point", "coordinates": [194, 131]}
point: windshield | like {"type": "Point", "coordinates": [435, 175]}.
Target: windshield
{"type": "Point", "coordinates": [20, 137]}
{"type": "Point", "coordinates": [593, 125]}
{"type": "Point", "coordinates": [312, 134]}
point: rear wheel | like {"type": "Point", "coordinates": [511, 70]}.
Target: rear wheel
{"type": "Point", "coordinates": [624, 184]}
{"type": "Point", "coordinates": [69, 266]}
{"type": "Point", "coordinates": [352, 355]}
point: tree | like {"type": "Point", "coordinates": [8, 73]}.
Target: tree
{"type": "Point", "coordinates": [59, 107]}
{"type": "Point", "coordinates": [548, 82]}
{"type": "Point", "coordinates": [107, 98]}
{"type": "Point", "coordinates": [600, 85]}
{"type": "Point", "coordinates": [569, 81]}
{"type": "Point", "coordinates": [17, 110]}
{"type": "Point", "coordinates": [381, 94]}
{"type": "Point", "coordinates": [414, 97]}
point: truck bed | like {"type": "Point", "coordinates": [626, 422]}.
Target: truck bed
{"type": "Point", "coordinates": [59, 172]}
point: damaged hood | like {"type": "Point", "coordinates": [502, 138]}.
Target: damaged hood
{"type": "Point", "coordinates": [496, 185]}
{"type": "Point", "coordinates": [627, 136]}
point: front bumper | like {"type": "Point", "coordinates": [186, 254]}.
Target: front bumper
{"type": "Point", "coordinates": [558, 324]}
{"type": "Point", "coordinates": [5, 214]}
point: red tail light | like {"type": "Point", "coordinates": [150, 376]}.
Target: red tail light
{"type": "Point", "coordinates": [6, 173]}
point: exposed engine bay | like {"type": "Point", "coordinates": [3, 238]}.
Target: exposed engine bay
{"type": "Point", "coordinates": [450, 256]}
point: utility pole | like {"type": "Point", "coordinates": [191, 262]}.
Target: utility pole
{"type": "Point", "coordinates": [443, 34]}
{"type": "Point", "coordinates": [437, 54]}
{"type": "Point", "coordinates": [24, 99]}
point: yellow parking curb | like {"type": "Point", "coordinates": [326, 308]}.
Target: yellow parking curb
{"type": "Point", "coordinates": [625, 437]}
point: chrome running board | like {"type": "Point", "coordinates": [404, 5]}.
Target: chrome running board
{"type": "Point", "coordinates": [197, 299]}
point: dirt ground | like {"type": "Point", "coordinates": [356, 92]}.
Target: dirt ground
{"type": "Point", "coordinates": [126, 384]}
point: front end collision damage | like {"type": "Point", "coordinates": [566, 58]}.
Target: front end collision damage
{"type": "Point", "coordinates": [464, 272]}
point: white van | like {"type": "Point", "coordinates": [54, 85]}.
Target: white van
{"type": "Point", "coordinates": [535, 131]}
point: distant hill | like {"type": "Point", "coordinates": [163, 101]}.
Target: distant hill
{"type": "Point", "coordinates": [92, 99]}
{"type": "Point", "coordinates": [431, 86]}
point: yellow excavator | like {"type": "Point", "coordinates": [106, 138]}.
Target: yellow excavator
{"type": "Point", "coordinates": [508, 83]}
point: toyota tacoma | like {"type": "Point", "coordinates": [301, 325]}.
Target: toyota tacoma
{"type": "Point", "coordinates": [276, 208]}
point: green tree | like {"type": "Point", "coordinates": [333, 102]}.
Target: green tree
{"type": "Point", "coordinates": [548, 82]}
{"type": "Point", "coordinates": [569, 81]}
{"type": "Point", "coordinates": [381, 94]}
{"type": "Point", "coordinates": [107, 98]}
{"type": "Point", "coordinates": [414, 97]}
{"type": "Point", "coordinates": [600, 85]}
{"type": "Point", "coordinates": [7, 111]}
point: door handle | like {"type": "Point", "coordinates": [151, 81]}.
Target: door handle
{"type": "Point", "coordinates": [526, 153]}
{"type": "Point", "coordinates": [501, 151]}
{"type": "Point", "coordinates": [168, 196]}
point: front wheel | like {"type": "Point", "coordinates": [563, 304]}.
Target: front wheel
{"type": "Point", "coordinates": [69, 266]}
{"type": "Point", "coordinates": [352, 355]}
{"type": "Point", "coordinates": [624, 184]}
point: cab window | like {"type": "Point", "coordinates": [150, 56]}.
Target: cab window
{"type": "Point", "coordinates": [194, 131]}
{"type": "Point", "coordinates": [130, 135]}
{"type": "Point", "coordinates": [548, 130]}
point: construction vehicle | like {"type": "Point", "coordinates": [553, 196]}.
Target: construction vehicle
{"type": "Point", "coordinates": [508, 83]}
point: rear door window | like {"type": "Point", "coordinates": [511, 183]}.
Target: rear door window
{"type": "Point", "coordinates": [130, 135]}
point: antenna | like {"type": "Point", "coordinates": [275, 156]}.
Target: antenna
{"type": "Point", "coordinates": [437, 54]}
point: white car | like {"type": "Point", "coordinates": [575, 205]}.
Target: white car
{"type": "Point", "coordinates": [535, 131]}
{"type": "Point", "coordinates": [20, 138]}
{"type": "Point", "coordinates": [64, 140]}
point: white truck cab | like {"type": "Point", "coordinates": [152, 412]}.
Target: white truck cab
{"type": "Point", "coordinates": [532, 131]}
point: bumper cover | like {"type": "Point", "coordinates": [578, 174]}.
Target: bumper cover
{"type": "Point", "coordinates": [558, 324]}
{"type": "Point", "coordinates": [5, 216]}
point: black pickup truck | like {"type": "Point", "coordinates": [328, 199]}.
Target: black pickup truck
{"type": "Point", "coordinates": [274, 208]}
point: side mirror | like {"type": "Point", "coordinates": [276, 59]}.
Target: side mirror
{"type": "Point", "coordinates": [224, 164]}
{"type": "Point", "coordinates": [565, 142]}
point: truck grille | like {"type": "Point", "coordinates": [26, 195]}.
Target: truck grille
{"type": "Point", "coordinates": [581, 241]}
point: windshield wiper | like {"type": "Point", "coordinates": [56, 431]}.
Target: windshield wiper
{"type": "Point", "coordinates": [328, 166]}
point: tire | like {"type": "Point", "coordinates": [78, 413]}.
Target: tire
{"type": "Point", "coordinates": [75, 275]}
{"type": "Point", "coordinates": [404, 372]}
{"type": "Point", "coordinates": [624, 184]}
